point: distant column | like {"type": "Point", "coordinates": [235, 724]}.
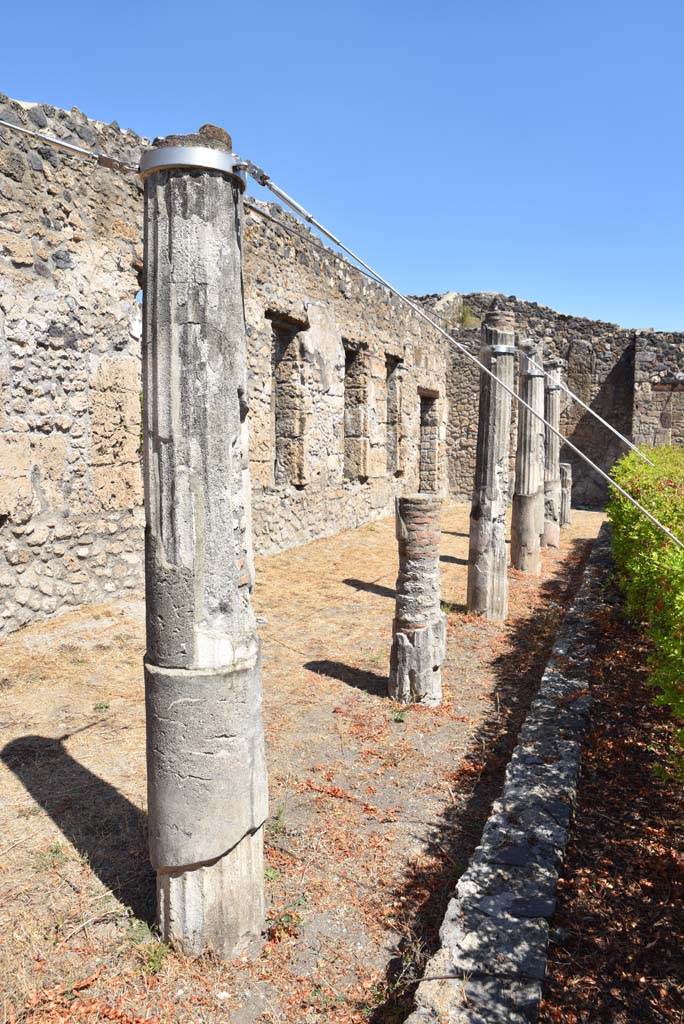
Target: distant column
{"type": "Point", "coordinates": [207, 789]}
{"type": "Point", "coordinates": [566, 493]}
{"type": "Point", "coordinates": [487, 559]}
{"type": "Point", "coordinates": [419, 629]}
{"type": "Point", "coordinates": [529, 467]}
{"type": "Point", "coordinates": [552, 483]}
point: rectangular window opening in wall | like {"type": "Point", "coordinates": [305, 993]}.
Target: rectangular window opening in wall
{"type": "Point", "coordinates": [355, 412]}
{"type": "Point", "coordinates": [392, 378]}
{"type": "Point", "coordinates": [428, 441]}
{"type": "Point", "coordinates": [288, 395]}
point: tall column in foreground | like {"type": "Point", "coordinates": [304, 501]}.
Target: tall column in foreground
{"type": "Point", "coordinates": [207, 786]}
{"type": "Point", "coordinates": [487, 558]}
{"type": "Point", "coordinates": [552, 482]}
{"type": "Point", "coordinates": [529, 466]}
{"type": "Point", "coordinates": [419, 628]}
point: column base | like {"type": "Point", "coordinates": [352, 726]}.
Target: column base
{"type": "Point", "coordinates": [216, 907]}
{"type": "Point", "coordinates": [552, 506]}
{"type": "Point", "coordinates": [525, 539]}
{"type": "Point", "coordinates": [416, 664]}
{"type": "Point", "coordinates": [551, 536]}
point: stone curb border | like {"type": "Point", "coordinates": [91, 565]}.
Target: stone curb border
{"type": "Point", "coordinates": [495, 932]}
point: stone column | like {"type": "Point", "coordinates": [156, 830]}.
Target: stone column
{"type": "Point", "coordinates": [529, 467]}
{"type": "Point", "coordinates": [487, 559]}
{"type": "Point", "coordinates": [552, 483]}
{"type": "Point", "coordinates": [207, 786]}
{"type": "Point", "coordinates": [419, 628]}
{"type": "Point", "coordinates": [566, 493]}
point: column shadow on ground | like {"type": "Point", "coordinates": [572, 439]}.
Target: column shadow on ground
{"type": "Point", "coordinates": [371, 588]}
{"type": "Point", "coordinates": [371, 682]}
{"type": "Point", "coordinates": [453, 560]}
{"type": "Point", "coordinates": [105, 827]}
{"type": "Point", "coordinates": [451, 840]}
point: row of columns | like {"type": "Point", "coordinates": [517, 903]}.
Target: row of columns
{"type": "Point", "coordinates": [542, 490]}
{"type": "Point", "coordinates": [207, 781]}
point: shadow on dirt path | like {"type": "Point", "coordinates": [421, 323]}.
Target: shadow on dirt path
{"type": "Point", "coordinates": [107, 829]}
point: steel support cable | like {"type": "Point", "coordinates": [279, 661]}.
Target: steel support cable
{"type": "Point", "coordinates": [263, 179]}
{"type": "Point", "coordinates": [564, 387]}
{"type": "Point", "coordinates": [576, 398]}
{"type": "Point", "coordinates": [374, 276]}
{"type": "Point", "coordinates": [103, 160]}
{"type": "Point", "coordinates": [72, 149]}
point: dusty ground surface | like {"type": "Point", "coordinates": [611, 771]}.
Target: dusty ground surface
{"type": "Point", "coordinates": [617, 936]}
{"type": "Point", "coordinates": [374, 809]}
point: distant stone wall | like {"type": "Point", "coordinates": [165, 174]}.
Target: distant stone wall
{"type": "Point", "coordinates": [659, 389]}
{"type": "Point", "coordinates": [70, 483]}
{"type": "Point", "coordinates": [599, 367]}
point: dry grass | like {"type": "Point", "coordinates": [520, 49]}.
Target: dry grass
{"type": "Point", "coordinates": [374, 810]}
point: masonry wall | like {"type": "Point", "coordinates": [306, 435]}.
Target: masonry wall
{"type": "Point", "coordinates": [659, 389]}
{"type": "Point", "coordinates": [338, 371]}
{"type": "Point", "coordinates": [599, 367]}
{"type": "Point", "coordinates": [295, 286]}
{"type": "Point", "coordinates": [70, 327]}
{"type": "Point", "coordinates": [71, 516]}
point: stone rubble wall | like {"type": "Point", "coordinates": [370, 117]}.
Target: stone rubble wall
{"type": "Point", "coordinates": [71, 516]}
{"type": "Point", "coordinates": [599, 366]}
{"type": "Point", "coordinates": [70, 328]}
{"type": "Point", "coordinates": [492, 961]}
{"type": "Point", "coordinates": [659, 389]}
{"type": "Point", "coordinates": [291, 279]}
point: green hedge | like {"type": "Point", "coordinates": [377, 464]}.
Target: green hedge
{"type": "Point", "coordinates": [650, 566]}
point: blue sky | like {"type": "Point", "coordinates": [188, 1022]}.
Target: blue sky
{"type": "Point", "coordinates": [533, 148]}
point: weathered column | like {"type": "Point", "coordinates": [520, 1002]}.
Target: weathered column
{"type": "Point", "coordinates": [207, 788]}
{"type": "Point", "coordinates": [487, 558]}
{"type": "Point", "coordinates": [529, 466]}
{"type": "Point", "coordinates": [566, 493]}
{"type": "Point", "coordinates": [552, 484]}
{"type": "Point", "coordinates": [419, 628]}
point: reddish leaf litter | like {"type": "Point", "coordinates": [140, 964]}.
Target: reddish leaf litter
{"type": "Point", "coordinates": [375, 809]}
{"type": "Point", "coordinates": [617, 949]}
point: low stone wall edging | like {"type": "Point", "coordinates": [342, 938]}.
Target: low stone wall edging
{"type": "Point", "coordinates": [495, 932]}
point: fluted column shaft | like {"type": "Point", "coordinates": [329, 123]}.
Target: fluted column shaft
{"type": "Point", "coordinates": [487, 559]}
{"type": "Point", "coordinates": [207, 792]}
{"type": "Point", "coordinates": [529, 468]}
{"type": "Point", "coordinates": [552, 483]}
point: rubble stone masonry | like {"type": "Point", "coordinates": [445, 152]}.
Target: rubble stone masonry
{"type": "Point", "coordinates": [337, 373]}
{"type": "Point", "coordinates": [71, 517]}
{"type": "Point", "coordinates": [627, 376]}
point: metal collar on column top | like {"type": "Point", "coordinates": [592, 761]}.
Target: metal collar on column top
{"type": "Point", "coordinates": [533, 373]}
{"type": "Point", "coordinates": [503, 350]}
{"type": "Point", "coordinates": [200, 158]}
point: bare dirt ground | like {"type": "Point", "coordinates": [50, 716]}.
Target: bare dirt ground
{"type": "Point", "coordinates": [374, 809]}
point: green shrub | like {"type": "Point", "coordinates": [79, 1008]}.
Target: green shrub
{"type": "Point", "coordinates": [650, 566]}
